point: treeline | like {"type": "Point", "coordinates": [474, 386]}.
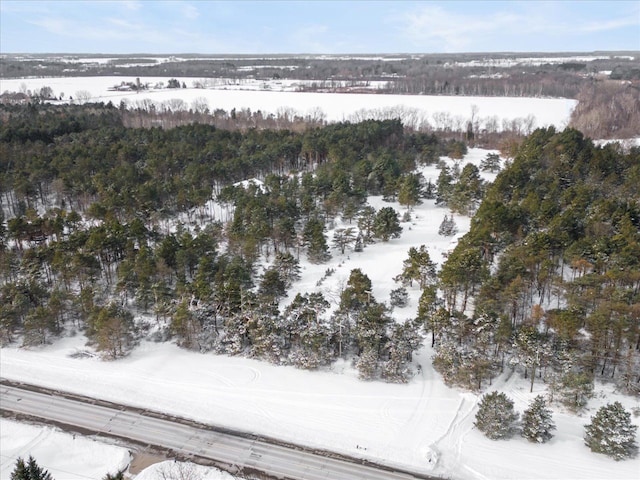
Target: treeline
{"type": "Point", "coordinates": [432, 74]}
{"type": "Point", "coordinates": [107, 225]}
{"type": "Point", "coordinates": [493, 82]}
{"type": "Point", "coordinates": [608, 110]}
{"type": "Point", "coordinates": [82, 157]}
{"type": "Point", "coordinates": [551, 266]}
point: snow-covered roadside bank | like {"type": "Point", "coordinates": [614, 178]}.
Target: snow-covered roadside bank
{"type": "Point", "coordinates": [423, 425]}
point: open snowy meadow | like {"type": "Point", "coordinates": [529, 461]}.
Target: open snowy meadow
{"type": "Point", "coordinates": [272, 97]}
{"type": "Point", "coordinates": [422, 425]}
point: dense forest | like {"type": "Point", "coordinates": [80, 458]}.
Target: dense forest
{"type": "Point", "coordinates": [552, 267]}
{"type": "Point", "coordinates": [110, 230]}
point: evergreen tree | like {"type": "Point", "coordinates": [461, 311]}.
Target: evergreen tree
{"type": "Point", "coordinates": [357, 293]}
{"type": "Point", "coordinates": [119, 475]}
{"type": "Point", "coordinates": [399, 297]}
{"type": "Point", "coordinates": [272, 285]}
{"type": "Point", "coordinates": [367, 364]}
{"type": "Point", "coordinates": [537, 421]}
{"type": "Point", "coordinates": [490, 163]}
{"type": "Point", "coordinates": [448, 227]}
{"type": "Point", "coordinates": [29, 471]}
{"type": "Point", "coordinates": [371, 327]}
{"type": "Point", "coordinates": [574, 389]}
{"type": "Point", "coordinates": [112, 329]}
{"type": "Point", "coordinates": [306, 331]}
{"type": "Point", "coordinates": [357, 246]}
{"type": "Point", "coordinates": [317, 249]}
{"type": "Point", "coordinates": [386, 224]}
{"type": "Point", "coordinates": [185, 326]}
{"type": "Point", "coordinates": [343, 237]}
{"type": "Point", "coordinates": [611, 432]}
{"type": "Point", "coordinates": [288, 267]}
{"type": "Point", "coordinates": [467, 192]}
{"type": "Point", "coordinates": [418, 267]}
{"type": "Point", "coordinates": [496, 416]}
{"type": "Point", "coordinates": [410, 190]}
{"type": "Point", "coordinates": [366, 219]}
{"type": "Point", "coordinates": [403, 341]}
{"type": "Point", "coordinates": [427, 306]}
{"type": "Point", "coordinates": [531, 350]}
{"type": "Point", "coordinates": [444, 186]}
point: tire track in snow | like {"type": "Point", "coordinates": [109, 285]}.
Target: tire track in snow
{"type": "Point", "coordinates": [453, 438]}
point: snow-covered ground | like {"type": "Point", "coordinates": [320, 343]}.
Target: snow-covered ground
{"type": "Point", "coordinates": [422, 425]}
{"type": "Point", "coordinates": [65, 456]}
{"type": "Point", "coordinates": [277, 96]}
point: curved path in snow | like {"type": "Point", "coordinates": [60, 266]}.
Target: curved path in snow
{"type": "Point", "coordinates": [235, 452]}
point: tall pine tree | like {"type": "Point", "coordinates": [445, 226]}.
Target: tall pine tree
{"type": "Point", "coordinates": [611, 432]}
{"type": "Point", "coordinates": [496, 416]}
{"type": "Point", "coordinates": [29, 470]}
{"type": "Point", "coordinates": [537, 421]}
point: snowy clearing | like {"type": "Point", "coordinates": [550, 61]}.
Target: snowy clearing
{"type": "Point", "coordinates": [423, 425]}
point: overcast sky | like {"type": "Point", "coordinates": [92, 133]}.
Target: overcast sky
{"type": "Point", "coordinates": [320, 26]}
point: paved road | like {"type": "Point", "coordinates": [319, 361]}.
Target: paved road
{"type": "Point", "coordinates": [234, 452]}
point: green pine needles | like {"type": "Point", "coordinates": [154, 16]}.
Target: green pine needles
{"type": "Point", "coordinates": [612, 433]}
{"type": "Point", "coordinates": [496, 416]}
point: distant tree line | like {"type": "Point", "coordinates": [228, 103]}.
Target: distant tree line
{"type": "Point", "coordinates": [429, 74]}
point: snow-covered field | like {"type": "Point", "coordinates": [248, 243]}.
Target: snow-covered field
{"type": "Point", "coordinates": [423, 425]}
{"type": "Point", "coordinates": [277, 96]}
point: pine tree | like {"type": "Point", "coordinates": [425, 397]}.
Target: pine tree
{"type": "Point", "coordinates": [467, 192]}
{"type": "Point", "coordinates": [366, 220]}
{"type": "Point", "coordinates": [611, 432]}
{"type": "Point", "coordinates": [343, 237]}
{"type": "Point", "coordinates": [367, 364]}
{"type": "Point", "coordinates": [399, 297]}
{"type": "Point", "coordinates": [112, 329]}
{"type": "Point", "coordinates": [272, 285]}
{"type": "Point", "coordinates": [496, 416]}
{"type": "Point", "coordinates": [444, 186]}
{"type": "Point", "coordinates": [418, 266]}
{"type": "Point", "coordinates": [447, 227]}
{"type": "Point", "coordinates": [357, 246]}
{"type": "Point", "coordinates": [574, 389]}
{"type": "Point", "coordinates": [403, 340]}
{"type": "Point", "coordinates": [119, 475]}
{"type": "Point", "coordinates": [288, 267]}
{"type": "Point", "coordinates": [386, 224]}
{"type": "Point", "coordinates": [317, 249]}
{"type": "Point", "coordinates": [410, 190]}
{"type": "Point", "coordinates": [491, 163]}
{"type": "Point", "coordinates": [537, 421]}
{"type": "Point", "coordinates": [357, 293]}
{"type": "Point", "coordinates": [29, 471]}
